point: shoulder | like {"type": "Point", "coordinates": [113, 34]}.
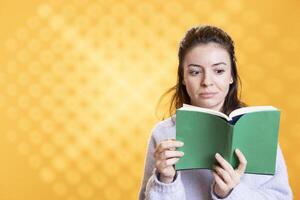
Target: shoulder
{"type": "Point", "coordinates": [165, 129]}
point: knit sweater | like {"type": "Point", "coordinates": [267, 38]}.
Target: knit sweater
{"type": "Point", "coordinates": [197, 184]}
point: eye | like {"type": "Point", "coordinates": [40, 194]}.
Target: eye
{"type": "Point", "coordinates": [219, 71]}
{"type": "Point", "coordinates": [193, 72]}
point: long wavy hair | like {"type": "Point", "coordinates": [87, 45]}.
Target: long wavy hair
{"type": "Point", "coordinates": [193, 37]}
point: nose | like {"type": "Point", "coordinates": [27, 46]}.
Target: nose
{"type": "Point", "coordinates": [206, 80]}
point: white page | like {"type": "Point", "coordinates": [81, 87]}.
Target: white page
{"type": "Point", "coordinates": [237, 112]}
{"type": "Point", "coordinates": [241, 111]}
{"type": "Point", "coordinates": [205, 110]}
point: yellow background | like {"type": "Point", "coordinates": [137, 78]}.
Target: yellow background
{"type": "Point", "coordinates": [80, 80]}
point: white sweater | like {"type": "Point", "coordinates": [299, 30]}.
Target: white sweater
{"type": "Point", "coordinates": [196, 184]}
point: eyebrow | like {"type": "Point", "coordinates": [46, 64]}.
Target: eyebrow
{"type": "Point", "coordinates": [215, 64]}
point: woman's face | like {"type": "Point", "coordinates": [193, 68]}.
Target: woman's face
{"type": "Point", "coordinates": [207, 75]}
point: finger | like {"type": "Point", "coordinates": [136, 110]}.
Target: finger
{"type": "Point", "coordinates": [161, 164]}
{"type": "Point", "coordinates": [223, 174]}
{"type": "Point", "coordinates": [225, 165]}
{"type": "Point", "coordinates": [172, 161]}
{"type": "Point", "coordinates": [166, 163]}
{"type": "Point", "coordinates": [172, 148]}
{"type": "Point", "coordinates": [170, 154]}
{"type": "Point", "coordinates": [243, 162]}
{"type": "Point", "coordinates": [219, 182]}
{"type": "Point", "coordinates": [167, 144]}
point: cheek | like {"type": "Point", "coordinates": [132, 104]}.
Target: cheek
{"type": "Point", "coordinates": [192, 85]}
{"type": "Point", "coordinates": [223, 85]}
{"type": "Point", "coordinates": [225, 88]}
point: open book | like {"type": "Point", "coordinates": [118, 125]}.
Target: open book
{"type": "Point", "coordinates": [253, 130]}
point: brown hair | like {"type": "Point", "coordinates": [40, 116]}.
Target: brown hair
{"type": "Point", "coordinates": [204, 35]}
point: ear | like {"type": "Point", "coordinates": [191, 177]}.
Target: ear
{"type": "Point", "coordinates": [183, 82]}
{"type": "Point", "coordinates": [231, 81]}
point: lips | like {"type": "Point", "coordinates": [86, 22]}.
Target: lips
{"type": "Point", "coordinates": [207, 95]}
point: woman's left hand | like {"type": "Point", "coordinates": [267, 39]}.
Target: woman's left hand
{"type": "Point", "coordinates": [226, 178]}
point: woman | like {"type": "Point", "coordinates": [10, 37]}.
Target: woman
{"type": "Point", "coordinates": [207, 77]}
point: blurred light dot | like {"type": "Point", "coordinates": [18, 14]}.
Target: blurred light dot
{"type": "Point", "coordinates": [289, 44]}
{"type": "Point", "coordinates": [48, 150]}
{"type": "Point", "coordinates": [219, 18]}
{"type": "Point", "coordinates": [72, 152]}
{"type": "Point", "coordinates": [11, 68]}
{"type": "Point", "coordinates": [233, 5]}
{"type": "Point", "coordinates": [3, 80]}
{"type": "Point", "coordinates": [69, 11]}
{"type": "Point", "coordinates": [12, 135]}
{"type": "Point", "coordinates": [22, 34]}
{"type": "Point", "coordinates": [72, 197]}
{"type": "Point", "coordinates": [45, 34]}
{"type": "Point", "coordinates": [60, 189]}
{"type": "Point", "coordinates": [35, 161]}
{"type": "Point", "coordinates": [56, 22]}
{"type": "Point", "coordinates": [24, 148]}
{"type": "Point", "coordinates": [33, 22]}
{"type": "Point", "coordinates": [72, 177]}
{"type": "Point", "coordinates": [275, 86]}
{"type": "Point", "coordinates": [47, 175]}
{"type": "Point", "coordinates": [98, 180]}
{"type": "Point", "coordinates": [84, 141]}
{"type": "Point", "coordinates": [111, 167]}
{"type": "Point", "coordinates": [23, 79]}
{"type": "Point", "coordinates": [47, 80]}
{"type": "Point", "coordinates": [269, 31]}
{"type": "Point", "coordinates": [47, 126]}
{"type": "Point", "coordinates": [204, 6]}
{"type": "Point", "coordinates": [11, 44]}
{"type": "Point", "coordinates": [250, 17]}
{"type": "Point", "coordinates": [128, 185]}
{"type": "Point", "coordinates": [59, 139]}
{"type": "Point", "coordinates": [12, 113]}
{"type": "Point", "coordinates": [85, 165]}
{"type": "Point", "coordinates": [44, 10]}
{"type": "Point", "coordinates": [252, 44]}
{"type": "Point", "coordinates": [46, 57]}
{"type": "Point", "coordinates": [272, 58]}
{"type": "Point", "coordinates": [35, 137]}
{"type": "Point", "coordinates": [97, 153]}
{"type": "Point", "coordinates": [47, 102]}
{"type": "Point", "coordinates": [85, 191]}
{"type": "Point", "coordinates": [59, 163]}
{"type": "Point", "coordinates": [59, 114]}
{"type": "Point", "coordinates": [12, 89]}
{"type": "Point", "coordinates": [35, 67]}
{"type": "Point", "coordinates": [36, 114]}
{"type": "Point", "coordinates": [35, 90]}
{"type": "Point", "coordinates": [112, 193]}
{"type": "Point", "coordinates": [34, 45]}
{"type": "Point", "coordinates": [23, 56]}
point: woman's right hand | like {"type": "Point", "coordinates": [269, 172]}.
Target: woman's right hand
{"type": "Point", "coordinates": [166, 156]}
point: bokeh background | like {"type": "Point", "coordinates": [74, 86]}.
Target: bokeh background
{"type": "Point", "coordinates": [80, 81]}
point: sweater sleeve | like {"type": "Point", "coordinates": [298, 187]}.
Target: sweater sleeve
{"type": "Point", "coordinates": [275, 188]}
{"type": "Point", "coordinates": [151, 187]}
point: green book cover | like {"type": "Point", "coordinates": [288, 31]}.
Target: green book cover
{"type": "Point", "coordinates": [253, 130]}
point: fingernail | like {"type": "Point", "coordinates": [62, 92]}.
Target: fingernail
{"type": "Point", "coordinates": [217, 155]}
{"type": "Point", "coordinates": [181, 143]}
{"type": "Point", "coordinates": [237, 151]}
{"type": "Point", "coordinates": [182, 153]}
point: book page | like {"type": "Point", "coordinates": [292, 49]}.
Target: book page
{"type": "Point", "coordinates": [244, 110]}
{"type": "Point", "coordinates": [205, 110]}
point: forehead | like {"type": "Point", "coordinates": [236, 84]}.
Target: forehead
{"type": "Point", "coordinates": [207, 53]}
